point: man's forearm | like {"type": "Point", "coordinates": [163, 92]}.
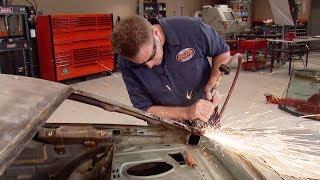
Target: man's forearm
{"type": "Point", "coordinates": [223, 58]}
{"type": "Point", "coordinates": [176, 113]}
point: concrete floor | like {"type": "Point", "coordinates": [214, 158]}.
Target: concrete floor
{"type": "Point", "coordinates": [247, 107]}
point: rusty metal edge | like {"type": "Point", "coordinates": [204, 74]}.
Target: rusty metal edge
{"type": "Point", "coordinates": [113, 106]}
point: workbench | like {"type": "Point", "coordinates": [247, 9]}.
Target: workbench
{"type": "Point", "coordinates": [290, 47]}
{"type": "Point", "coordinates": [254, 36]}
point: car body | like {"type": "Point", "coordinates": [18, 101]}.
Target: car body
{"type": "Point", "coordinates": [34, 149]}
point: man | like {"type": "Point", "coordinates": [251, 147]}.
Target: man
{"type": "Point", "coordinates": [165, 67]}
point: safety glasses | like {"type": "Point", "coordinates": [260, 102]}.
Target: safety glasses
{"type": "Point", "coordinates": [154, 52]}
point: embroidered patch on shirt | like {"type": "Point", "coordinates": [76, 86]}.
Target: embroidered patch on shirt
{"type": "Point", "coordinates": [185, 54]}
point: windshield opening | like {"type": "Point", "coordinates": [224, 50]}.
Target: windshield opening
{"type": "Point", "coordinates": [302, 96]}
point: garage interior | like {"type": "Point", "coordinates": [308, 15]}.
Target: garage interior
{"type": "Point", "coordinates": [37, 41]}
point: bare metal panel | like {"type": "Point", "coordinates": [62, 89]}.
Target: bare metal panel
{"type": "Point", "coordinates": [25, 104]}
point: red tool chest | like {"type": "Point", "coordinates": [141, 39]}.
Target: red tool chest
{"type": "Point", "coordinates": [70, 46]}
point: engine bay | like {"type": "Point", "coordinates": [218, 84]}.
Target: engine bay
{"type": "Point", "coordinates": [116, 152]}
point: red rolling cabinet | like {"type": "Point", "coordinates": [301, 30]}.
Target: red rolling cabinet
{"type": "Point", "coordinates": [71, 46]}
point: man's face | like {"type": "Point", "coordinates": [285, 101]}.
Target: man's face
{"type": "Point", "coordinates": [150, 54]}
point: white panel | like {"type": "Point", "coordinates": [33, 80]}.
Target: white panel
{"type": "Point", "coordinates": [281, 12]}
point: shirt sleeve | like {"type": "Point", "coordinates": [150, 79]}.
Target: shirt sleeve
{"type": "Point", "coordinates": [139, 96]}
{"type": "Point", "coordinates": [213, 44]}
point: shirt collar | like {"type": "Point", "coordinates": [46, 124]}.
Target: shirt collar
{"type": "Point", "coordinates": [171, 36]}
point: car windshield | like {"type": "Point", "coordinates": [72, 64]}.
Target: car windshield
{"type": "Point", "coordinates": [302, 96]}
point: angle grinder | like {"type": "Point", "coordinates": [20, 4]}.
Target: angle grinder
{"type": "Point", "coordinates": [214, 120]}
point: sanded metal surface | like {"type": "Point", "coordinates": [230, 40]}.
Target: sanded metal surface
{"type": "Point", "coordinates": [25, 104]}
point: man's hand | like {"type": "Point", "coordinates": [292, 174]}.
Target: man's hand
{"type": "Point", "coordinates": [202, 110]}
{"type": "Point", "coordinates": [208, 88]}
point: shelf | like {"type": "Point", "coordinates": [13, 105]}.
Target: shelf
{"type": "Point", "coordinates": [153, 9]}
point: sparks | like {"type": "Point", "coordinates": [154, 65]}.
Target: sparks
{"type": "Point", "coordinates": [168, 87]}
{"type": "Point", "coordinates": [108, 69]}
{"type": "Point", "coordinates": [105, 83]}
{"type": "Point", "coordinates": [288, 152]}
{"type": "Point", "coordinates": [273, 73]}
{"type": "Point", "coordinates": [189, 95]}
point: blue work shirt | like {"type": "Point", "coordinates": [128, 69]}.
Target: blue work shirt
{"type": "Point", "coordinates": [181, 77]}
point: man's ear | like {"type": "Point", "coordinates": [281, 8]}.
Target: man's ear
{"type": "Point", "coordinates": [157, 32]}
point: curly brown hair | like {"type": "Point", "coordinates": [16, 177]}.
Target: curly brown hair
{"type": "Point", "coordinates": [130, 34]}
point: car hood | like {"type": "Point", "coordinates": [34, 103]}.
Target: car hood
{"type": "Point", "coordinates": [26, 103]}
